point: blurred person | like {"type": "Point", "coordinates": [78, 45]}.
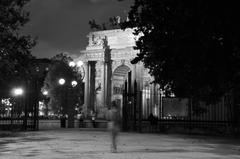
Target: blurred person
{"type": "Point", "coordinates": [93, 118]}
{"type": "Point", "coordinates": [113, 125]}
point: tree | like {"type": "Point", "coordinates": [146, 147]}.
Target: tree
{"type": "Point", "coordinates": [14, 48]}
{"type": "Point", "coordinates": [190, 47]}
{"type": "Point", "coordinates": [58, 93]}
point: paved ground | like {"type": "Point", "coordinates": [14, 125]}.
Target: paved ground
{"type": "Point", "coordinates": [79, 144]}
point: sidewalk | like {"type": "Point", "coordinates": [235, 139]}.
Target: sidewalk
{"type": "Point", "coordinates": [80, 144]}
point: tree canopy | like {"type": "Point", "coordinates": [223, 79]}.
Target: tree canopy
{"type": "Point", "coordinates": [190, 47]}
{"type": "Point", "coordinates": [60, 69]}
{"type": "Point", "coordinates": [15, 48]}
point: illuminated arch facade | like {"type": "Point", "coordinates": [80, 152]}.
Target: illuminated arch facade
{"type": "Point", "coordinates": [107, 63]}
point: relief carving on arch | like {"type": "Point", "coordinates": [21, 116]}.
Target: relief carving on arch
{"type": "Point", "coordinates": [99, 85]}
{"type": "Point", "coordinates": [99, 70]}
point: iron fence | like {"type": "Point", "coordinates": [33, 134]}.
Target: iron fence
{"type": "Point", "coordinates": [176, 114]}
{"type": "Point", "coordinates": [20, 112]}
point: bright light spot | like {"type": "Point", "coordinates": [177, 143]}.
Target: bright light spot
{"type": "Point", "coordinates": [172, 95]}
{"type": "Point", "coordinates": [45, 92]}
{"type": "Point", "coordinates": [61, 81]}
{"type": "Point", "coordinates": [6, 102]}
{"type": "Point", "coordinates": [41, 108]}
{"type": "Point", "coordinates": [74, 83]}
{"type": "Point", "coordinates": [79, 63]}
{"type": "Point", "coordinates": [72, 64]}
{"type": "Point", "coordinates": [41, 113]}
{"type": "Point", "coordinates": [17, 91]}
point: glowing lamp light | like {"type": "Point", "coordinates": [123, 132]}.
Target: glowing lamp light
{"type": "Point", "coordinates": [72, 64]}
{"type": "Point", "coordinates": [17, 91]}
{"type": "Point", "coordinates": [45, 92]}
{"type": "Point", "coordinates": [61, 81]}
{"type": "Point", "coordinates": [74, 83]}
{"type": "Point", "coordinates": [79, 63]}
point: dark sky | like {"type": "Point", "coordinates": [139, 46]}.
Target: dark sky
{"type": "Point", "coordinates": [62, 25]}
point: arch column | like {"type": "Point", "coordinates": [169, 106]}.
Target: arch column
{"type": "Point", "coordinates": [108, 72]}
{"type": "Point", "coordinates": [107, 82]}
{"type": "Point", "coordinates": [86, 86]}
{"type": "Point", "coordinates": [103, 84]}
{"type": "Point", "coordinates": [92, 71]}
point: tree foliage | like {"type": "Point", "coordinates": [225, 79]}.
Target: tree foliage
{"type": "Point", "coordinates": [190, 47]}
{"type": "Point", "coordinates": [14, 48]}
{"type": "Point", "coordinates": [58, 93]}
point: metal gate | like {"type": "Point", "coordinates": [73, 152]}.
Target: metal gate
{"type": "Point", "coordinates": [130, 112]}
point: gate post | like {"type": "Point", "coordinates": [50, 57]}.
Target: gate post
{"type": "Point", "coordinates": [124, 110]}
{"type": "Point", "coordinates": [140, 111]}
{"type": "Point", "coordinates": [135, 105]}
{"type": "Point", "coordinates": [36, 104]}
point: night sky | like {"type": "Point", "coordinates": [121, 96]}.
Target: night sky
{"type": "Point", "coordinates": [62, 25]}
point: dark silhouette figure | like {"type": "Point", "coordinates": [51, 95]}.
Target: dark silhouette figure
{"type": "Point", "coordinates": [81, 119]}
{"type": "Point", "coordinates": [153, 122]}
{"type": "Point", "coordinates": [63, 119]}
{"type": "Point", "coordinates": [93, 118]}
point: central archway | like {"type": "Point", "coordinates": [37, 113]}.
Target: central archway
{"type": "Point", "coordinates": [119, 76]}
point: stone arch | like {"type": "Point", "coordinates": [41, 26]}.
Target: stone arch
{"type": "Point", "coordinates": [118, 78]}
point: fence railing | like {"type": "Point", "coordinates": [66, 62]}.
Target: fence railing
{"type": "Point", "coordinates": [20, 112]}
{"type": "Point", "coordinates": [175, 114]}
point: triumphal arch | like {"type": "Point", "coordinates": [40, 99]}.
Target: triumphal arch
{"type": "Point", "coordinates": [108, 71]}
{"type": "Point", "coordinates": [107, 63]}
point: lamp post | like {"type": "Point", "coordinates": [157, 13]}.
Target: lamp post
{"type": "Point", "coordinates": [61, 82]}
{"type": "Point", "coordinates": [16, 92]}
{"type": "Point", "coordinates": [79, 67]}
{"type": "Point", "coordinates": [45, 93]}
{"type": "Point", "coordinates": [68, 87]}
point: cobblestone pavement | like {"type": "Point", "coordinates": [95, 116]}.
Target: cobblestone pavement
{"type": "Point", "coordinates": [79, 144]}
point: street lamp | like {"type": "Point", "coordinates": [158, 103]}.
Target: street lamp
{"type": "Point", "coordinates": [18, 91]}
{"type": "Point", "coordinates": [61, 81]}
{"type": "Point", "coordinates": [67, 90]}
{"type": "Point", "coordinates": [79, 63]}
{"type": "Point", "coordinates": [74, 83]}
{"type": "Point", "coordinates": [45, 92]}
{"type": "Point", "coordinates": [72, 64]}
{"type": "Point", "coordinates": [80, 68]}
